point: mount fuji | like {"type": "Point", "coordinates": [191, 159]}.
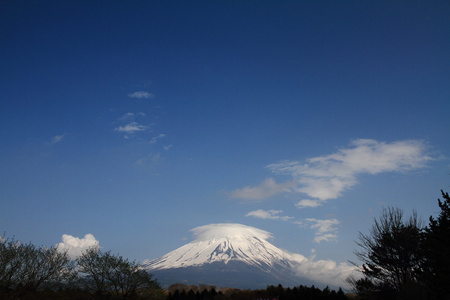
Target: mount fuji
{"type": "Point", "coordinates": [228, 255]}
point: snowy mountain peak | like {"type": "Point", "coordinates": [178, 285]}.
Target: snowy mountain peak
{"type": "Point", "coordinates": [224, 243]}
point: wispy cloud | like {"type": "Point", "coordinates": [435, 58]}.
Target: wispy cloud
{"type": "Point", "coordinates": [131, 116]}
{"type": "Point", "coordinates": [268, 214]}
{"type": "Point", "coordinates": [155, 139]}
{"type": "Point", "coordinates": [76, 246]}
{"type": "Point", "coordinates": [325, 229]}
{"type": "Point", "coordinates": [141, 95]}
{"type": "Point", "coordinates": [131, 128]}
{"type": "Point", "coordinates": [308, 203]}
{"type": "Point", "coordinates": [266, 189]}
{"type": "Point", "coordinates": [327, 177]}
{"type": "Point", "coordinates": [57, 138]}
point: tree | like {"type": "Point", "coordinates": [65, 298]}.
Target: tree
{"type": "Point", "coordinates": [391, 255]}
{"type": "Point", "coordinates": [24, 268]}
{"type": "Point", "coordinates": [437, 245]}
{"type": "Point", "coordinates": [108, 275]}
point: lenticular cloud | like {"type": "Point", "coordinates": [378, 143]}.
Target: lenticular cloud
{"type": "Point", "coordinates": [75, 246]}
{"type": "Point", "coordinates": [228, 230]}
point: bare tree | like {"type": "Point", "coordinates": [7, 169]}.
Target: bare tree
{"type": "Point", "coordinates": [106, 274]}
{"type": "Point", "coordinates": [24, 268]}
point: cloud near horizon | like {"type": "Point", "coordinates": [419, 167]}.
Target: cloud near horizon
{"type": "Point", "coordinates": [325, 271]}
{"type": "Point", "coordinates": [327, 177]}
{"type": "Point", "coordinates": [76, 246]}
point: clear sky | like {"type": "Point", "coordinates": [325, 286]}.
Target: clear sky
{"type": "Point", "coordinates": [136, 121]}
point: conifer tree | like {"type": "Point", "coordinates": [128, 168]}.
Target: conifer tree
{"type": "Point", "coordinates": [437, 252]}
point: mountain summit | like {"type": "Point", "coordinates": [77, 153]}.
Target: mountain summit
{"type": "Point", "coordinates": [227, 254]}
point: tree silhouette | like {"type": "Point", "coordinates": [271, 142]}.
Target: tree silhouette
{"type": "Point", "coordinates": [391, 255]}
{"type": "Point", "coordinates": [106, 274]}
{"type": "Point", "coordinates": [24, 268]}
{"type": "Point", "coordinates": [437, 245]}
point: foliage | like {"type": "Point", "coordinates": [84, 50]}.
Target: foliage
{"type": "Point", "coordinates": [437, 250]}
{"type": "Point", "coordinates": [391, 253]}
{"type": "Point", "coordinates": [271, 292]}
{"type": "Point", "coordinates": [108, 275]}
{"type": "Point", "coordinates": [402, 260]}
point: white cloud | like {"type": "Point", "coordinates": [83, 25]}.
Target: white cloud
{"type": "Point", "coordinates": [268, 214]}
{"type": "Point", "coordinates": [326, 271]}
{"type": "Point", "coordinates": [230, 230]}
{"type": "Point", "coordinates": [327, 177]}
{"type": "Point", "coordinates": [266, 189]}
{"type": "Point", "coordinates": [325, 229]}
{"type": "Point", "coordinates": [167, 147]}
{"type": "Point", "coordinates": [131, 128]}
{"type": "Point", "coordinates": [141, 95]}
{"type": "Point", "coordinates": [57, 138]}
{"type": "Point", "coordinates": [75, 246]}
{"type": "Point", "coordinates": [308, 203]}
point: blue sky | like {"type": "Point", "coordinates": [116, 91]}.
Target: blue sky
{"type": "Point", "coordinates": [137, 121]}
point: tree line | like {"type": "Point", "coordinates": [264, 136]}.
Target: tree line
{"type": "Point", "coordinates": [404, 259]}
{"type": "Point", "coordinates": [31, 272]}
{"type": "Point", "coordinates": [185, 292]}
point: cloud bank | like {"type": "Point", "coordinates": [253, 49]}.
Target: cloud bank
{"type": "Point", "coordinates": [327, 177]}
{"type": "Point", "coordinates": [75, 246]}
{"type": "Point", "coordinates": [325, 271]}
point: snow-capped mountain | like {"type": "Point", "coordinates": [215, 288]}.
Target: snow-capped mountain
{"type": "Point", "coordinates": [226, 255]}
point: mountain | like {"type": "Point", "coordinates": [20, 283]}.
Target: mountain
{"type": "Point", "coordinates": [232, 255]}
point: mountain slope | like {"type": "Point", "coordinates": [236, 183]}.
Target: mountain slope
{"type": "Point", "coordinates": [226, 255]}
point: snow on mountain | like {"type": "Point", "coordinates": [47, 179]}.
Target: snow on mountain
{"type": "Point", "coordinates": [224, 243]}
{"type": "Point", "coordinates": [235, 255]}
{"type": "Point", "coordinates": [227, 254]}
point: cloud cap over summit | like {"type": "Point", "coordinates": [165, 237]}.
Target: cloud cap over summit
{"type": "Point", "coordinates": [228, 230]}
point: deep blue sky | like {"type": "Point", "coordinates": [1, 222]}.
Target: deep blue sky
{"type": "Point", "coordinates": [136, 121]}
